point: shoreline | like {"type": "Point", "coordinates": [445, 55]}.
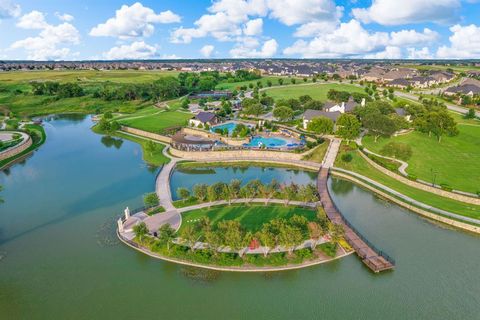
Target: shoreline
{"type": "Point", "coordinates": [144, 250]}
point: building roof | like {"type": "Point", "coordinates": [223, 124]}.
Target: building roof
{"type": "Point", "coordinates": [464, 88]}
{"type": "Point", "coordinates": [310, 114]}
{"type": "Point", "coordinates": [400, 82]}
{"type": "Point", "coordinates": [400, 111]}
{"type": "Point", "coordinates": [205, 117]}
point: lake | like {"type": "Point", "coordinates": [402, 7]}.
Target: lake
{"type": "Point", "coordinates": [61, 259]}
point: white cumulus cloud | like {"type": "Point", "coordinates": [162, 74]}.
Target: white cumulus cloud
{"type": "Point", "coordinates": [49, 44]}
{"type": "Point", "coordinates": [133, 21]}
{"type": "Point", "coordinates": [253, 27]}
{"type": "Point", "coordinates": [64, 16]}
{"type": "Point", "coordinates": [291, 12]}
{"type": "Point", "coordinates": [412, 37]}
{"type": "Point", "coordinates": [207, 50]}
{"type": "Point", "coordinates": [135, 50]}
{"type": "Point", "coordinates": [249, 49]}
{"type": "Point", "coordinates": [398, 12]}
{"type": "Point", "coordinates": [8, 9]}
{"type": "Point", "coordinates": [464, 43]}
{"type": "Point", "coordinates": [32, 20]}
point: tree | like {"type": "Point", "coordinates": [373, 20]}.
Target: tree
{"type": "Point", "coordinates": [267, 239]}
{"type": "Point", "coordinates": [379, 125]}
{"type": "Point", "coordinates": [289, 192]}
{"type": "Point", "coordinates": [280, 81]}
{"type": "Point", "coordinates": [308, 193]}
{"type": "Point", "coordinates": [322, 219]}
{"type": "Point", "coordinates": [150, 200]}
{"type": "Point", "coordinates": [213, 240]}
{"type": "Point", "coordinates": [254, 109]}
{"type": "Point", "coordinates": [470, 114]}
{"type": "Point", "coordinates": [283, 113]}
{"type": "Point", "coordinates": [140, 231]}
{"type": "Point", "coordinates": [189, 236]}
{"type": "Point", "coordinates": [313, 104]}
{"type": "Point", "coordinates": [232, 233]}
{"type": "Point", "coordinates": [200, 192]}
{"type": "Point", "coordinates": [305, 98]}
{"type": "Point", "coordinates": [299, 222]}
{"type": "Point", "coordinates": [348, 126]}
{"type": "Point", "coordinates": [234, 188]}
{"type": "Point", "coordinates": [294, 80]}
{"type": "Point", "coordinates": [289, 237]}
{"type": "Point", "coordinates": [336, 232]}
{"type": "Point", "coordinates": [268, 190]}
{"type": "Point", "coordinates": [183, 193]}
{"type": "Point", "coordinates": [320, 125]}
{"type": "Point", "coordinates": [166, 234]}
{"type": "Point", "coordinates": [441, 123]}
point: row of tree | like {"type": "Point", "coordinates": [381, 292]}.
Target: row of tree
{"type": "Point", "coordinates": [252, 189]}
{"type": "Point", "coordinates": [287, 233]}
{"type": "Point", "coordinates": [53, 88]}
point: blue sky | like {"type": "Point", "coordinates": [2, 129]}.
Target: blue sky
{"type": "Point", "coordinates": [73, 30]}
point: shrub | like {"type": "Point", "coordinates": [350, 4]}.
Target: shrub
{"type": "Point", "coordinates": [397, 150]}
{"type": "Point", "coordinates": [329, 248]}
{"type": "Point", "coordinates": [347, 157]}
{"type": "Point", "coordinates": [445, 187]}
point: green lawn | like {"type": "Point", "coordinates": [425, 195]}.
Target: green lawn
{"type": "Point", "coordinates": [15, 91]}
{"type": "Point", "coordinates": [318, 153]}
{"type": "Point", "coordinates": [251, 217]}
{"type": "Point", "coordinates": [120, 76]}
{"type": "Point", "coordinates": [455, 159]}
{"type": "Point", "coordinates": [263, 80]}
{"type": "Point", "coordinates": [318, 91]}
{"type": "Point", "coordinates": [154, 120]}
{"type": "Point", "coordinates": [361, 166]}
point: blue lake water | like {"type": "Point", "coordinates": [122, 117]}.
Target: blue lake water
{"type": "Point", "coordinates": [59, 257]}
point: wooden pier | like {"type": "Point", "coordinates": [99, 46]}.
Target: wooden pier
{"type": "Point", "coordinates": [375, 259]}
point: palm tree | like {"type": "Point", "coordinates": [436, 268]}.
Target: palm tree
{"type": "Point", "coordinates": [166, 234]}
{"type": "Point", "coordinates": [140, 230]}
{"type": "Point", "coordinates": [188, 235]}
{"type": "Point", "coordinates": [267, 239]}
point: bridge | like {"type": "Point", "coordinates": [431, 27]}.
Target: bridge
{"type": "Point", "coordinates": [375, 259]}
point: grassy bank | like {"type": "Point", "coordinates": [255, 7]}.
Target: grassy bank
{"type": "Point", "coordinates": [361, 166]}
{"type": "Point", "coordinates": [240, 164]}
{"type": "Point", "coordinates": [453, 161]}
{"type": "Point", "coordinates": [37, 141]}
{"type": "Point", "coordinates": [155, 158]}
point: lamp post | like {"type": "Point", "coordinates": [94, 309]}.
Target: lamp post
{"type": "Point", "coordinates": [434, 176]}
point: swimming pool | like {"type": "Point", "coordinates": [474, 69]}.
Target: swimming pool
{"type": "Point", "coordinates": [269, 142]}
{"type": "Point", "coordinates": [230, 126]}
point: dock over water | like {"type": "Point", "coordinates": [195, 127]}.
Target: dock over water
{"type": "Point", "coordinates": [375, 259]}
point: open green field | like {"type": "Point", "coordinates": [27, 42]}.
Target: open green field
{"type": "Point", "coordinates": [155, 120]}
{"type": "Point", "coordinates": [454, 161]}
{"type": "Point", "coordinates": [251, 217]}
{"type": "Point", "coordinates": [15, 91]}
{"type": "Point", "coordinates": [361, 166]}
{"type": "Point", "coordinates": [263, 80]}
{"type": "Point", "coordinates": [120, 76]}
{"type": "Point", "coordinates": [316, 91]}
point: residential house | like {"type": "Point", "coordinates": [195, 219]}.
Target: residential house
{"type": "Point", "coordinates": [467, 89]}
{"type": "Point", "coordinates": [310, 114]}
{"type": "Point", "coordinates": [342, 107]}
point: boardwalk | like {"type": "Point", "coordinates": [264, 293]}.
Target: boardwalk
{"type": "Point", "coordinates": [373, 258]}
